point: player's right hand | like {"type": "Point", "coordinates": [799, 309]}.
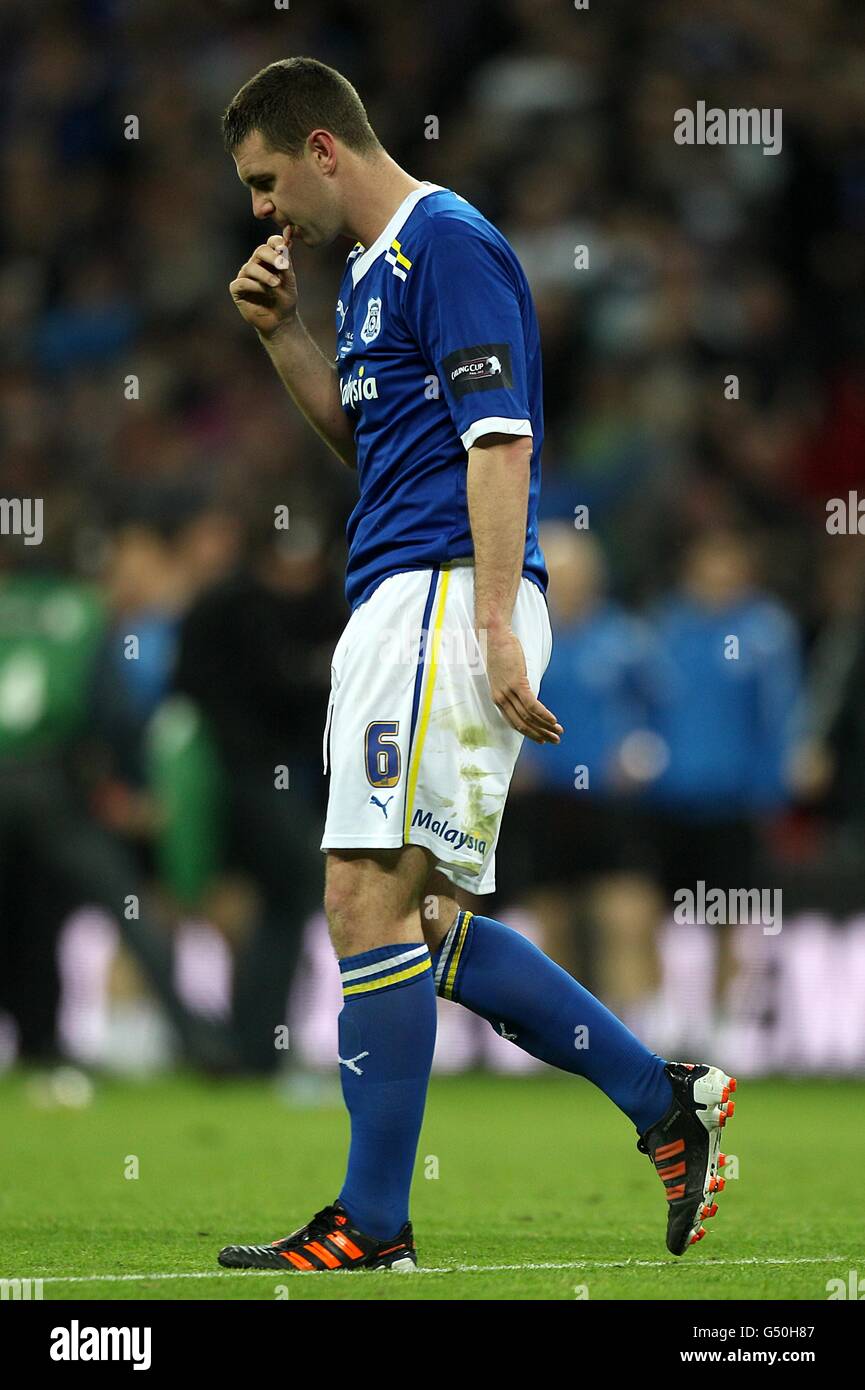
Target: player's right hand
{"type": "Point", "coordinates": [265, 289]}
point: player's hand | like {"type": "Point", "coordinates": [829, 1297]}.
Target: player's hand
{"type": "Point", "coordinates": [511, 692]}
{"type": "Point", "coordinates": [265, 289]}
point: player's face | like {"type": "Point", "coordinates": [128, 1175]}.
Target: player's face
{"type": "Point", "coordinates": [289, 191]}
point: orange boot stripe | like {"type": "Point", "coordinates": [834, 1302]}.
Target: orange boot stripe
{"type": "Point", "coordinates": [675, 1170]}
{"type": "Point", "coordinates": [669, 1150]}
{"type": "Point", "coordinates": [323, 1254]}
{"type": "Point", "coordinates": [297, 1260]}
{"type": "Point", "coordinates": [674, 1192]}
{"type": "Point", "coordinates": [345, 1244]}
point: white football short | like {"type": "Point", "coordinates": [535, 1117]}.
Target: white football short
{"type": "Point", "coordinates": [418, 752]}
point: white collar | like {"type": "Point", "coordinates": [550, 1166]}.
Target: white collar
{"type": "Point", "coordinates": [363, 262]}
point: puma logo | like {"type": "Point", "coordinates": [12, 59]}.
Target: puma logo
{"type": "Point", "coordinates": [382, 805]}
{"type": "Point", "coordinates": [351, 1062]}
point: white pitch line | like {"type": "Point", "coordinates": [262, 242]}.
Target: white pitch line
{"type": "Point", "coordinates": [460, 1269]}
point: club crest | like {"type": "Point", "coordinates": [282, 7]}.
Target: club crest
{"type": "Point", "coordinates": [372, 322]}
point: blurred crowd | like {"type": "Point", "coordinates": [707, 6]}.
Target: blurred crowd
{"type": "Point", "coordinates": [167, 647]}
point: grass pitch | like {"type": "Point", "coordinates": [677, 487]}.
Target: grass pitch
{"type": "Point", "coordinates": [527, 1188]}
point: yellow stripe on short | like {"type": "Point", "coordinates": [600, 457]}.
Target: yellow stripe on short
{"type": "Point", "coordinates": [426, 704]}
{"type": "Point", "coordinates": [447, 991]}
{"type": "Point", "coordinates": [388, 979]}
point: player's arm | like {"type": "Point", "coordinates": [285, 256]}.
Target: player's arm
{"type": "Point", "coordinates": [265, 292]}
{"type": "Point", "coordinates": [499, 467]}
{"type": "Point", "coordinates": [311, 381]}
{"type": "Point", "coordinates": [462, 306]}
{"type": "Point", "coordinates": [498, 494]}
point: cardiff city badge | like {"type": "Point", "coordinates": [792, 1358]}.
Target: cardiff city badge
{"type": "Point", "coordinates": [372, 322]}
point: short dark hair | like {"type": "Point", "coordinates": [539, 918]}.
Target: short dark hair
{"type": "Point", "coordinates": [289, 99]}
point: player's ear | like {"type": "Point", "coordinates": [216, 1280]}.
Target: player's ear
{"type": "Point", "coordinates": [321, 147]}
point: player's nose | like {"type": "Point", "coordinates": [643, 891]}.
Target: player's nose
{"type": "Point", "coordinates": [262, 207]}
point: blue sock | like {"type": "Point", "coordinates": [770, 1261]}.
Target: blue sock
{"type": "Point", "coordinates": [387, 1031]}
{"type": "Point", "coordinates": [497, 973]}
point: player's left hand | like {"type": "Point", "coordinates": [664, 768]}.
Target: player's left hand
{"type": "Point", "coordinates": [511, 692]}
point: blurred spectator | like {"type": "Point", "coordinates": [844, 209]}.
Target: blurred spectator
{"type": "Point", "coordinates": [576, 814]}
{"type": "Point", "coordinates": [254, 656]}
{"type": "Point", "coordinates": [728, 678]}
{"type": "Point", "coordinates": [155, 570]}
{"type": "Point", "coordinates": [54, 855]}
{"type": "Point", "coordinates": [728, 681]}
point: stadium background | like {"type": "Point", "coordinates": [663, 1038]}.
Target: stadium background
{"type": "Point", "coordinates": [165, 649]}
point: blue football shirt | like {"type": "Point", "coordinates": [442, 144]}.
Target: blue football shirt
{"type": "Point", "coordinates": [437, 345]}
